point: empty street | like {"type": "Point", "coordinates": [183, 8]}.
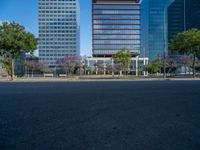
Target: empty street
{"type": "Point", "coordinates": [150, 115]}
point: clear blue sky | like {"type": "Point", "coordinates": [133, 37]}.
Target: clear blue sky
{"type": "Point", "coordinates": [25, 12]}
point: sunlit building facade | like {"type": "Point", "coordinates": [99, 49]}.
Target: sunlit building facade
{"type": "Point", "coordinates": [116, 25]}
{"type": "Point", "coordinates": [59, 30]}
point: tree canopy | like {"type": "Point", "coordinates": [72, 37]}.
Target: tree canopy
{"type": "Point", "coordinates": [15, 41]}
{"type": "Point", "coordinates": [187, 42]}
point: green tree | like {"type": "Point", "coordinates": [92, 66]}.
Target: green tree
{"type": "Point", "coordinates": [123, 58]}
{"type": "Point", "coordinates": [154, 66]}
{"type": "Point", "coordinates": [14, 42]}
{"type": "Point", "coordinates": [187, 42]}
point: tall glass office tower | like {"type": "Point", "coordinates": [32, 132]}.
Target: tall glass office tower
{"type": "Point", "coordinates": [59, 30]}
{"type": "Point", "coordinates": [144, 28]}
{"type": "Point", "coordinates": [183, 15]}
{"type": "Point", "coordinates": [116, 25]}
{"type": "Point", "coordinates": [176, 18]}
{"type": "Point", "coordinates": [192, 14]}
{"type": "Point", "coordinates": [158, 32]}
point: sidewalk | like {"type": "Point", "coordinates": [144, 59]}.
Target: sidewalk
{"type": "Point", "coordinates": [75, 79]}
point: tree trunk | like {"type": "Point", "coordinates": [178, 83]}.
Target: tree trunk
{"type": "Point", "coordinates": [193, 65]}
{"type": "Point", "coordinates": [13, 69]}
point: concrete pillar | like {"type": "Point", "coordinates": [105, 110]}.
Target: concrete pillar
{"type": "Point", "coordinates": [104, 67]}
{"type": "Point", "coordinates": [137, 65]}
{"type": "Point", "coordinates": [96, 68]}
{"type": "Point", "coordinates": [112, 67]}
{"type": "Point", "coordinates": [88, 62]}
{"type": "Point", "coordinates": [120, 73]}
{"type": "Point", "coordinates": [144, 63]}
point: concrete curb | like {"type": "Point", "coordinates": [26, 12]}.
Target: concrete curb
{"type": "Point", "coordinates": [98, 80]}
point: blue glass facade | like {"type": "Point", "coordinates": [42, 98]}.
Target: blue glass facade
{"type": "Point", "coordinates": [116, 25]}
{"type": "Point", "coordinates": [158, 35]}
{"type": "Point", "coordinates": [144, 28]}
{"type": "Point", "coordinates": [176, 18]}
{"type": "Point", "coordinates": [183, 15]}
{"type": "Point", "coordinates": [192, 14]}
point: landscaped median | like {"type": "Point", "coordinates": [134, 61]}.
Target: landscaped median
{"type": "Point", "coordinates": [107, 77]}
{"type": "Point", "coordinates": [49, 77]}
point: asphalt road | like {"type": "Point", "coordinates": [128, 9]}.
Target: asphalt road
{"type": "Point", "coordinates": [154, 115]}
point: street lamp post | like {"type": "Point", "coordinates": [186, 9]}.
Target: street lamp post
{"type": "Point", "coordinates": [164, 66]}
{"type": "Point", "coordinates": [165, 44]}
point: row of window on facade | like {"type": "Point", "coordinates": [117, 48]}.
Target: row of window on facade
{"type": "Point", "coordinates": [58, 2]}
{"type": "Point", "coordinates": [116, 26]}
{"type": "Point", "coordinates": [57, 19]}
{"type": "Point", "coordinates": [57, 23]}
{"type": "Point", "coordinates": [116, 22]}
{"type": "Point", "coordinates": [56, 40]}
{"type": "Point", "coordinates": [116, 46]}
{"type": "Point", "coordinates": [56, 16]}
{"type": "Point", "coordinates": [119, 6]}
{"type": "Point", "coordinates": [57, 54]}
{"type": "Point", "coordinates": [116, 41]}
{"type": "Point", "coordinates": [56, 27]}
{"type": "Point", "coordinates": [58, 31]}
{"type": "Point", "coordinates": [116, 37]}
{"type": "Point", "coordinates": [58, 35]}
{"type": "Point", "coordinates": [54, 12]}
{"type": "Point", "coordinates": [60, 7]}
{"type": "Point", "coordinates": [56, 57]}
{"type": "Point", "coordinates": [46, 42]}
{"type": "Point", "coordinates": [116, 17]}
{"type": "Point", "coordinates": [116, 31]}
{"type": "Point", "coordinates": [132, 12]}
{"type": "Point", "coordinates": [57, 47]}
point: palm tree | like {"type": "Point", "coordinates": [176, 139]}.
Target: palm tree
{"type": "Point", "coordinates": [123, 58]}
